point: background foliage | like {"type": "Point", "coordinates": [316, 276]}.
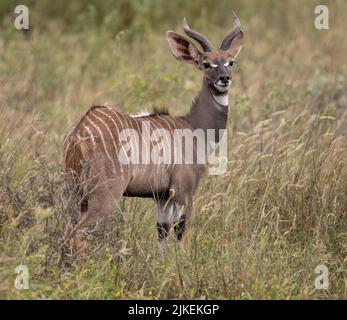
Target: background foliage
{"type": "Point", "coordinates": [260, 230]}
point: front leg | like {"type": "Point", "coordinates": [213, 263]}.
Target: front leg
{"type": "Point", "coordinates": [168, 212]}
{"type": "Point", "coordinates": [182, 226]}
{"type": "Point", "coordinates": [163, 229]}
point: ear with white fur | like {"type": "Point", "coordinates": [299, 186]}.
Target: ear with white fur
{"type": "Point", "coordinates": [235, 45]}
{"type": "Point", "coordinates": [183, 50]}
{"type": "Point", "coordinates": [233, 42]}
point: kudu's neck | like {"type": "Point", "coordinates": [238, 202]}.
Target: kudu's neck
{"type": "Point", "coordinates": [209, 110]}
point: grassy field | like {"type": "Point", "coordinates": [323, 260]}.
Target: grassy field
{"type": "Point", "coordinates": [260, 230]}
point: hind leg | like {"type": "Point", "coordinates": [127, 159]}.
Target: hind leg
{"type": "Point", "coordinates": [78, 205]}
{"type": "Point", "coordinates": [102, 202]}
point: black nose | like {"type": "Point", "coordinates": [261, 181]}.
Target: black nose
{"type": "Point", "coordinates": [224, 79]}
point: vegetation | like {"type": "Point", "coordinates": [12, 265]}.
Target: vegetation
{"type": "Point", "coordinates": [260, 230]}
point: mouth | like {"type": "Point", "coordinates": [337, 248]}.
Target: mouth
{"type": "Point", "coordinates": [222, 86]}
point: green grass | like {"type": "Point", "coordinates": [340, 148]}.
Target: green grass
{"type": "Point", "coordinates": [259, 231]}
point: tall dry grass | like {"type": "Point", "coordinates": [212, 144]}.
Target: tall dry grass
{"type": "Point", "coordinates": [258, 231]}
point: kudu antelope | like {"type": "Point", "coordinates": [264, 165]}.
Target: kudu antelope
{"type": "Point", "coordinates": [92, 146]}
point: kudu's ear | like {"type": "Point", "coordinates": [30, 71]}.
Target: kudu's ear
{"type": "Point", "coordinates": [235, 45]}
{"type": "Point", "coordinates": [183, 50]}
{"type": "Point", "coordinates": [233, 42]}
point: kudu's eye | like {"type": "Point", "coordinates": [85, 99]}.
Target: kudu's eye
{"type": "Point", "coordinates": [230, 63]}
{"type": "Point", "coordinates": [206, 65]}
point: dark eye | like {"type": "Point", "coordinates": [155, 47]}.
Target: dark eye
{"type": "Point", "coordinates": [231, 63]}
{"type": "Point", "coordinates": [206, 65]}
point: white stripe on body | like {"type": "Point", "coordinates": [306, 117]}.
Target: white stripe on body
{"type": "Point", "coordinates": [145, 146]}
{"type": "Point", "coordinates": [125, 116]}
{"type": "Point", "coordinates": [116, 126]}
{"type": "Point", "coordinates": [92, 138]}
{"type": "Point", "coordinates": [169, 140]}
{"type": "Point", "coordinates": [108, 130]}
{"type": "Point", "coordinates": [103, 142]}
{"type": "Point", "coordinates": [159, 127]}
{"type": "Point", "coordinates": [156, 165]}
{"type": "Point", "coordinates": [74, 126]}
{"type": "Point", "coordinates": [123, 128]}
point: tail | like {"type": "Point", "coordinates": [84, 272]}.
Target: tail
{"type": "Point", "coordinates": [76, 154]}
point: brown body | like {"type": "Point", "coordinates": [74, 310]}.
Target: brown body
{"type": "Point", "coordinates": [92, 147]}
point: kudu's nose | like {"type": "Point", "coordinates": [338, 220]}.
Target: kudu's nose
{"type": "Point", "coordinates": [224, 79]}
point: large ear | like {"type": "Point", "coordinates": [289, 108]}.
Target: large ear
{"type": "Point", "coordinates": [233, 42]}
{"type": "Point", "coordinates": [184, 50]}
{"type": "Point", "coordinates": [235, 45]}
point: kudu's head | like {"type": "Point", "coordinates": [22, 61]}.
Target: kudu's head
{"type": "Point", "coordinates": [215, 64]}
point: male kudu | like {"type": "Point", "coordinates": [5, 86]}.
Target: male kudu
{"type": "Point", "coordinates": [92, 146]}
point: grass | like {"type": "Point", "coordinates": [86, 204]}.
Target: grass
{"type": "Point", "coordinates": [258, 232]}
